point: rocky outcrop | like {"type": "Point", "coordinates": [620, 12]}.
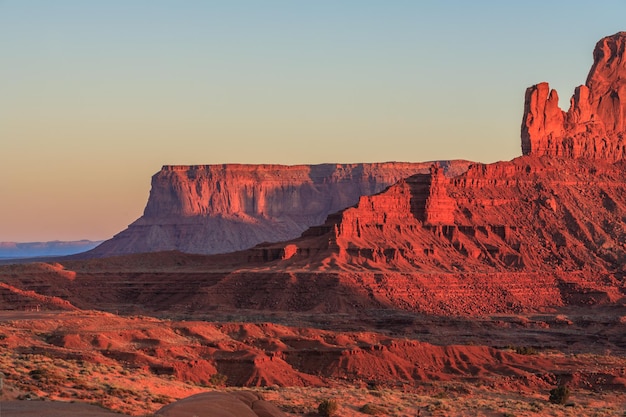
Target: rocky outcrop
{"type": "Point", "coordinates": [506, 237]}
{"type": "Point", "coordinates": [594, 127]}
{"type": "Point", "coordinates": [527, 215]}
{"type": "Point", "coordinates": [223, 208]}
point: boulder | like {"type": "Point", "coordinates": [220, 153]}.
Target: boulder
{"type": "Point", "coordinates": [221, 404]}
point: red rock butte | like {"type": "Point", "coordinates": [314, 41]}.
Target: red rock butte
{"type": "Point", "coordinates": [208, 209]}
{"type": "Point", "coordinates": [211, 209]}
{"type": "Point", "coordinates": [595, 124]}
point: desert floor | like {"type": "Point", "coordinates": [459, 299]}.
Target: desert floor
{"type": "Point", "coordinates": [94, 363]}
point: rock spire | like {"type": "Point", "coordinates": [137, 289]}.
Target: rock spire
{"type": "Point", "coordinates": [594, 127]}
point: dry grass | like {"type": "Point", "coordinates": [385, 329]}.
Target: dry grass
{"type": "Point", "coordinates": [35, 370]}
{"type": "Point", "coordinates": [478, 402]}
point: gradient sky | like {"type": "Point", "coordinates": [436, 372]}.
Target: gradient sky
{"type": "Point", "coordinates": [95, 96]}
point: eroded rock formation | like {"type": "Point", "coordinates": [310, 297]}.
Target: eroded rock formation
{"type": "Point", "coordinates": [594, 127]}
{"type": "Point", "coordinates": [223, 208]}
{"type": "Point", "coordinates": [545, 229]}
{"type": "Point", "coordinates": [525, 215]}
{"type": "Point", "coordinates": [506, 237]}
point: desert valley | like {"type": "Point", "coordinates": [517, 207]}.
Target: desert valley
{"type": "Point", "coordinates": [445, 288]}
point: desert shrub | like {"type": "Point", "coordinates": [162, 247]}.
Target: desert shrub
{"type": "Point", "coordinates": [373, 385]}
{"type": "Point", "coordinates": [37, 374]}
{"type": "Point", "coordinates": [438, 405]}
{"type": "Point", "coordinates": [524, 350]}
{"type": "Point", "coordinates": [160, 399]}
{"type": "Point", "coordinates": [218, 380]}
{"type": "Point", "coordinates": [371, 409]}
{"type": "Point", "coordinates": [559, 395]}
{"type": "Point", "coordinates": [327, 408]}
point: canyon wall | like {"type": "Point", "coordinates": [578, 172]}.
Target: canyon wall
{"type": "Point", "coordinates": [210, 209]}
{"type": "Point", "coordinates": [594, 127]}
{"type": "Point", "coordinates": [511, 236]}
{"type": "Point", "coordinates": [525, 215]}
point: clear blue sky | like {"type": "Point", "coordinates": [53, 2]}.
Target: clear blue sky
{"type": "Point", "coordinates": [96, 95]}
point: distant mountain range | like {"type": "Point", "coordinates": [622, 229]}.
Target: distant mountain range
{"type": "Point", "coordinates": [15, 250]}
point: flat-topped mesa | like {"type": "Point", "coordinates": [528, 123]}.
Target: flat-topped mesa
{"type": "Point", "coordinates": [228, 207]}
{"type": "Point", "coordinates": [594, 127]}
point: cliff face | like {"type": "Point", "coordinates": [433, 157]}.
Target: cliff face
{"type": "Point", "coordinates": [594, 127]}
{"type": "Point", "coordinates": [483, 220]}
{"type": "Point", "coordinates": [525, 215]}
{"type": "Point", "coordinates": [223, 208]}
{"type": "Point", "coordinates": [514, 236]}
{"type": "Point", "coordinates": [508, 236]}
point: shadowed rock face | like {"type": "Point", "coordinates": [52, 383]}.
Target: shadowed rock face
{"type": "Point", "coordinates": [595, 124]}
{"type": "Point", "coordinates": [212, 209]}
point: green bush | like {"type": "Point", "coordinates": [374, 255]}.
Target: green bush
{"type": "Point", "coordinates": [559, 395]}
{"type": "Point", "coordinates": [327, 408]}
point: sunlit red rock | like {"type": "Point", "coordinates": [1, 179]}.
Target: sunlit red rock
{"type": "Point", "coordinates": [595, 125]}
{"type": "Point", "coordinates": [513, 236]}
{"type": "Point", "coordinates": [223, 208]}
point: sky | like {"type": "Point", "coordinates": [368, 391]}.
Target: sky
{"type": "Point", "coordinates": [95, 96]}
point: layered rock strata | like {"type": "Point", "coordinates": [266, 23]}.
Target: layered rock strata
{"type": "Point", "coordinates": [525, 215]}
{"type": "Point", "coordinates": [595, 125]}
{"type": "Point", "coordinates": [223, 208]}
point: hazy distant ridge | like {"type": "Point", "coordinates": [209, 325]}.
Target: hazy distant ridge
{"type": "Point", "coordinates": [37, 249]}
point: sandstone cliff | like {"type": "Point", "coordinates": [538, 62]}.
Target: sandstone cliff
{"type": "Point", "coordinates": [525, 215]}
{"type": "Point", "coordinates": [545, 229]}
{"type": "Point", "coordinates": [510, 236]}
{"type": "Point", "coordinates": [223, 208]}
{"type": "Point", "coordinates": [595, 125]}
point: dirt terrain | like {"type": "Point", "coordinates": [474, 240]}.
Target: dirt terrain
{"type": "Point", "coordinates": [437, 365]}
